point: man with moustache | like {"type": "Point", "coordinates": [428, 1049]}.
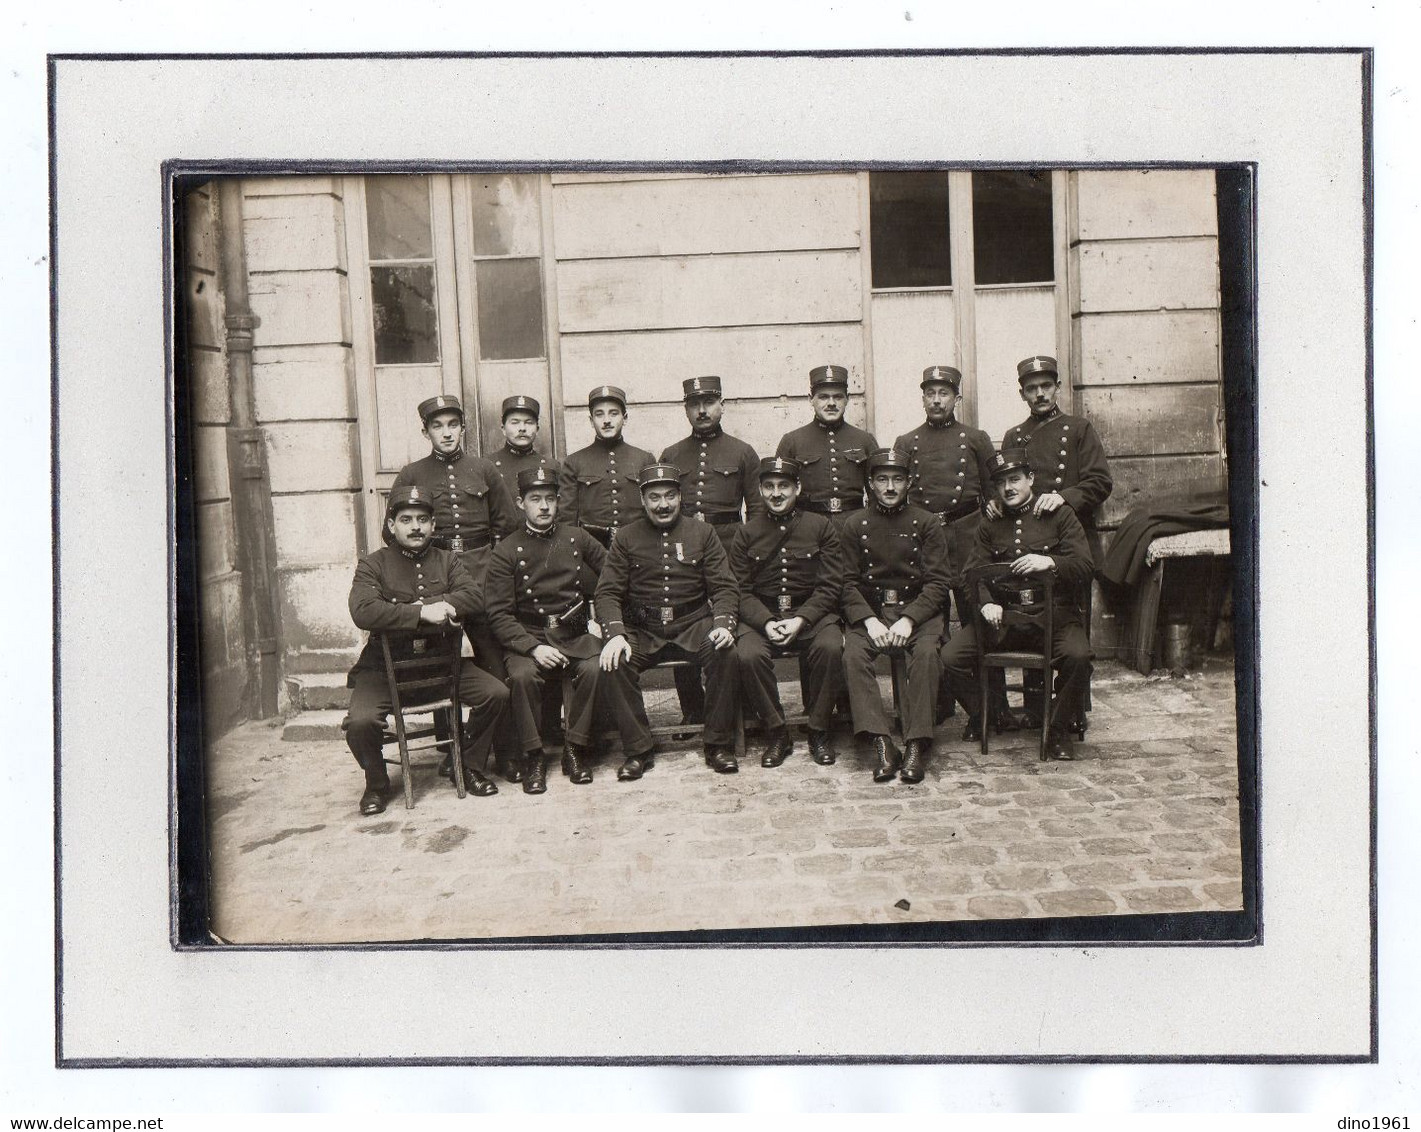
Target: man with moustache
{"type": "Point", "coordinates": [830, 452]}
{"type": "Point", "coordinates": [790, 567]}
{"type": "Point", "coordinates": [410, 584]}
{"type": "Point", "coordinates": [599, 482]}
{"type": "Point", "coordinates": [1069, 465]}
{"type": "Point", "coordinates": [720, 477]}
{"type": "Point", "coordinates": [539, 589]}
{"type": "Point", "coordinates": [472, 511]}
{"type": "Point", "coordinates": [1034, 541]}
{"type": "Point", "coordinates": [894, 592]}
{"type": "Point", "coordinates": [667, 593]}
{"type": "Point", "coordinates": [520, 432]}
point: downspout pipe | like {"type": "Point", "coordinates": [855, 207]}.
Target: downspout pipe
{"type": "Point", "coordinates": [246, 453]}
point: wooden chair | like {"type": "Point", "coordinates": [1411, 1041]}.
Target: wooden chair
{"type": "Point", "coordinates": [422, 668]}
{"type": "Point", "coordinates": [988, 658]}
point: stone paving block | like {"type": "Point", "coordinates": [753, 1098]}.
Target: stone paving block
{"type": "Point", "coordinates": [902, 862]}
{"type": "Point", "coordinates": [1180, 818]}
{"type": "Point", "coordinates": [1069, 827]}
{"type": "Point", "coordinates": [1077, 902]}
{"type": "Point", "coordinates": [1113, 847]}
{"type": "Point", "coordinates": [910, 835]}
{"type": "Point", "coordinates": [823, 864]}
{"type": "Point", "coordinates": [1172, 898]}
{"type": "Point", "coordinates": [751, 868]}
{"type": "Point", "coordinates": [1174, 868]}
{"type": "Point", "coordinates": [1226, 894]}
{"type": "Point", "coordinates": [989, 800]}
{"type": "Point", "coordinates": [997, 908]}
{"type": "Point", "coordinates": [879, 889]}
{"type": "Point", "coordinates": [1198, 841]}
{"type": "Point", "coordinates": [879, 811]}
{"type": "Point", "coordinates": [1036, 851]}
{"type": "Point", "coordinates": [960, 854]}
{"type": "Point", "coordinates": [859, 838]}
{"type": "Point", "coordinates": [1024, 879]}
{"type": "Point", "coordinates": [1103, 874]}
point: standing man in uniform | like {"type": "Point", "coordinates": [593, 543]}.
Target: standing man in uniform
{"type": "Point", "coordinates": [599, 482]}
{"type": "Point", "coordinates": [1069, 465]}
{"type": "Point", "coordinates": [894, 592]}
{"type": "Point", "coordinates": [520, 432]}
{"type": "Point", "coordinates": [830, 452]}
{"type": "Point", "coordinates": [790, 567]}
{"type": "Point", "coordinates": [720, 477]}
{"type": "Point", "coordinates": [667, 593]}
{"type": "Point", "coordinates": [1034, 541]}
{"type": "Point", "coordinates": [539, 589]}
{"type": "Point", "coordinates": [472, 511]}
{"type": "Point", "coordinates": [411, 584]}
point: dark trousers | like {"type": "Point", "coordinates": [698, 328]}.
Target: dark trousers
{"type": "Point", "coordinates": [820, 649]}
{"type": "Point", "coordinates": [528, 685]}
{"type": "Point", "coordinates": [1070, 653]}
{"type": "Point", "coordinates": [485, 698]}
{"type": "Point", "coordinates": [621, 688]}
{"type": "Point", "coordinates": [692, 694]}
{"type": "Point", "coordinates": [920, 695]}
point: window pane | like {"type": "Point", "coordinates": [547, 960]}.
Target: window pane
{"type": "Point", "coordinates": [510, 308]}
{"type": "Point", "coordinates": [397, 217]}
{"type": "Point", "coordinates": [406, 323]}
{"type": "Point", "coordinates": [506, 216]}
{"type": "Point", "coordinates": [1011, 226]}
{"type": "Point", "coordinates": [908, 229]}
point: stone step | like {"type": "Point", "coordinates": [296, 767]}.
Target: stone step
{"type": "Point", "coordinates": [318, 691]}
{"type": "Point", "coordinates": [314, 726]}
{"type": "Point", "coordinates": [321, 660]}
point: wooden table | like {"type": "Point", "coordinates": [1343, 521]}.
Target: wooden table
{"type": "Point", "coordinates": [1144, 614]}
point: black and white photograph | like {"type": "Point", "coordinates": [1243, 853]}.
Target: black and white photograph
{"type": "Point", "coordinates": [763, 507]}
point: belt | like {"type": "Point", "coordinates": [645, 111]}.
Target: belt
{"type": "Point", "coordinates": [653, 616]}
{"type": "Point", "coordinates": [889, 595]}
{"type": "Point", "coordinates": [460, 543]}
{"type": "Point", "coordinates": [718, 520]}
{"type": "Point", "coordinates": [783, 603]}
{"type": "Point", "coordinates": [1022, 598]}
{"type": "Point", "coordinates": [573, 617]}
{"type": "Point", "coordinates": [961, 511]}
{"type": "Point", "coordinates": [835, 506]}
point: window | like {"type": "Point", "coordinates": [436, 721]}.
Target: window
{"type": "Point", "coordinates": [402, 289]}
{"type": "Point", "coordinates": [908, 229]}
{"type": "Point", "coordinates": [508, 273]}
{"type": "Point", "coordinates": [1011, 226]}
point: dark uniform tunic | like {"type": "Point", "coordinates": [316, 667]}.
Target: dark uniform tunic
{"type": "Point", "coordinates": [1059, 535]}
{"type": "Point", "coordinates": [1066, 457]}
{"type": "Point", "coordinates": [664, 590]}
{"type": "Point", "coordinates": [949, 476]}
{"type": "Point", "coordinates": [790, 566]}
{"type": "Point", "coordinates": [897, 567]}
{"type": "Point", "coordinates": [599, 486]}
{"type": "Point", "coordinates": [721, 473]}
{"type": "Point", "coordinates": [508, 462]}
{"type": "Point", "coordinates": [831, 464]}
{"type": "Point", "coordinates": [390, 586]}
{"type": "Point", "coordinates": [538, 589]}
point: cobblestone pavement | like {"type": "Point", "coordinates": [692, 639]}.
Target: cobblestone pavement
{"type": "Point", "coordinates": [1145, 820]}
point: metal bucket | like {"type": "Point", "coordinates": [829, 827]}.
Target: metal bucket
{"type": "Point", "coordinates": [1178, 647]}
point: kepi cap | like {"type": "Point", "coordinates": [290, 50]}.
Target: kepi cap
{"type": "Point", "coordinates": [403, 498]}
{"type": "Point", "coordinates": [520, 403]}
{"type": "Point", "coordinates": [886, 458]}
{"type": "Point", "coordinates": [607, 393]}
{"type": "Point", "coordinates": [658, 473]}
{"type": "Point", "coordinates": [828, 375]}
{"type": "Point", "coordinates": [541, 476]}
{"type": "Point", "coordinates": [779, 466]}
{"type": "Point", "coordinates": [708, 386]}
{"type": "Point", "coordinates": [1007, 460]}
{"type": "Point", "coordinates": [945, 374]}
{"type": "Point", "coordinates": [1040, 363]}
{"type": "Point", "coordinates": [443, 403]}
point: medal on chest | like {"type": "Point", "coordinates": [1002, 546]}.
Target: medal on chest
{"type": "Point", "coordinates": [680, 552]}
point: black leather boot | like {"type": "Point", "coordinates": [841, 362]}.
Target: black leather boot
{"type": "Point", "coordinates": [888, 759]}
{"type": "Point", "coordinates": [721, 761]}
{"type": "Point", "coordinates": [915, 761]}
{"type": "Point", "coordinates": [635, 766]}
{"type": "Point", "coordinates": [819, 749]}
{"type": "Point", "coordinates": [973, 731]}
{"type": "Point", "coordinates": [373, 800]}
{"type": "Point", "coordinates": [534, 775]}
{"type": "Point", "coordinates": [779, 748]}
{"type": "Point", "coordinates": [572, 765]}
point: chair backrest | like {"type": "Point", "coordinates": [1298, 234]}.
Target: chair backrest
{"type": "Point", "coordinates": [422, 664]}
{"type": "Point", "coordinates": [1038, 616]}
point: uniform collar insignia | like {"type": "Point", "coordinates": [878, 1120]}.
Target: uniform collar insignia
{"type": "Point", "coordinates": [415, 555]}
{"type": "Point", "coordinates": [710, 434]}
{"type": "Point", "coordinates": [532, 530]}
{"type": "Point", "coordinates": [835, 427]}
{"type": "Point", "coordinates": [1024, 508]}
{"type": "Point", "coordinates": [605, 443]}
{"type": "Point", "coordinates": [882, 510]}
{"type": "Point", "coordinates": [452, 458]}
{"type": "Point", "coordinates": [951, 420]}
{"type": "Point", "coordinates": [517, 451]}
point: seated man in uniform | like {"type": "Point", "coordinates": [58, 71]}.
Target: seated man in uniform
{"type": "Point", "coordinates": [791, 573]}
{"type": "Point", "coordinates": [667, 593]}
{"type": "Point", "coordinates": [894, 593]}
{"type": "Point", "coordinates": [540, 585]}
{"type": "Point", "coordinates": [1034, 542]}
{"type": "Point", "coordinates": [411, 584]}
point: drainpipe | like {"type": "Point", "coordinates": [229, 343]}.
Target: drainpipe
{"type": "Point", "coordinates": [246, 452]}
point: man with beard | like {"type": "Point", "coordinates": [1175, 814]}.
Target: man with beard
{"type": "Point", "coordinates": [520, 433]}
{"type": "Point", "coordinates": [410, 584]}
{"type": "Point", "coordinates": [472, 511]}
{"type": "Point", "coordinates": [599, 482]}
{"type": "Point", "coordinates": [667, 593]}
{"type": "Point", "coordinates": [1035, 541]}
{"type": "Point", "coordinates": [896, 586]}
{"type": "Point", "coordinates": [540, 584]}
{"type": "Point", "coordinates": [830, 452]}
{"type": "Point", "coordinates": [720, 476]}
{"type": "Point", "coordinates": [791, 572]}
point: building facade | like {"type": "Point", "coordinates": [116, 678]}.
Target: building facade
{"type": "Point", "coordinates": [320, 310]}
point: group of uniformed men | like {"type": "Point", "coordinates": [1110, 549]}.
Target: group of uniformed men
{"type": "Point", "coordinates": [615, 561]}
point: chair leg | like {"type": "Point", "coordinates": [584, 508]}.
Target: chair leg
{"type": "Point", "coordinates": [982, 724]}
{"type": "Point", "coordinates": [456, 750]}
{"type": "Point", "coordinates": [404, 760]}
{"type": "Point", "coordinates": [1045, 710]}
{"type": "Point", "coordinates": [739, 730]}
